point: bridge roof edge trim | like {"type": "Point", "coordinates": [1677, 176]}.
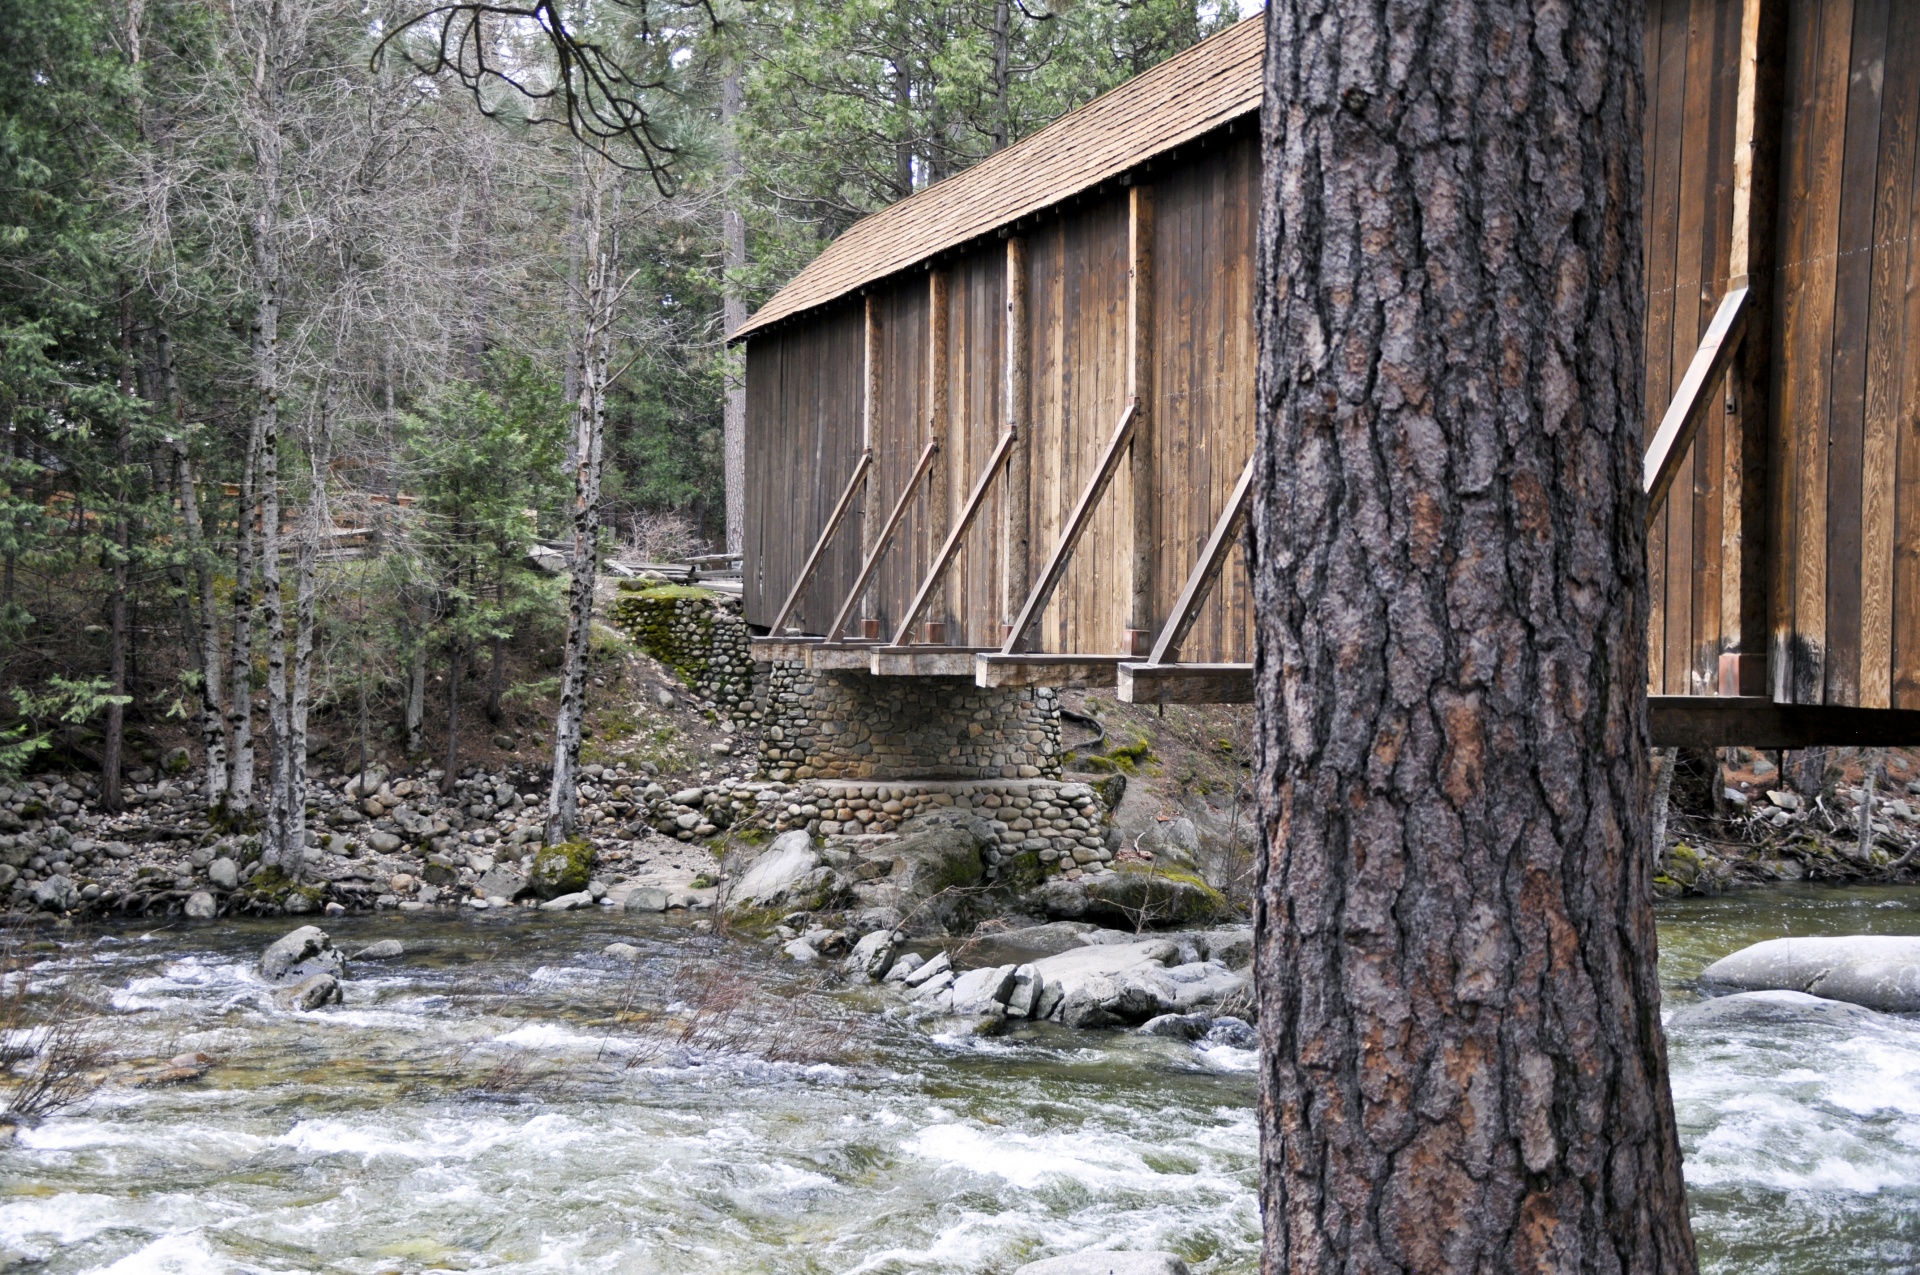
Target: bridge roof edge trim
{"type": "Point", "coordinates": [1183, 98]}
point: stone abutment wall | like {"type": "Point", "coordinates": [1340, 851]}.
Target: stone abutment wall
{"type": "Point", "coordinates": [833, 724]}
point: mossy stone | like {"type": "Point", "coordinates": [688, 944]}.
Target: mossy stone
{"type": "Point", "coordinates": [562, 869]}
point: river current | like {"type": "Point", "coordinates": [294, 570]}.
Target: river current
{"type": "Point", "coordinates": [507, 1098]}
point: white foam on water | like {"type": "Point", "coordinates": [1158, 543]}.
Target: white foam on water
{"type": "Point", "coordinates": [186, 1253]}
{"type": "Point", "coordinates": [1813, 1108]}
{"type": "Point", "coordinates": [1227, 1058]}
{"type": "Point", "coordinates": [558, 1036]}
{"type": "Point", "coordinates": [30, 1224]}
{"type": "Point", "coordinates": [1030, 1160]}
{"type": "Point", "coordinates": [431, 1140]}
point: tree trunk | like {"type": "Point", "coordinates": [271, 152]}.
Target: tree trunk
{"type": "Point", "coordinates": [496, 670]}
{"type": "Point", "coordinates": [282, 848]}
{"type": "Point", "coordinates": [213, 741]}
{"type": "Point", "coordinates": [1463, 1067]}
{"type": "Point", "coordinates": [122, 551]}
{"type": "Point", "coordinates": [733, 305]}
{"type": "Point", "coordinates": [414, 717]}
{"type": "Point", "coordinates": [319, 460]}
{"type": "Point", "coordinates": [1002, 73]}
{"type": "Point", "coordinates": [563, 798]}
{"type": "Point", "coordinates": [239, 785]}
{"type": "Point", "coordinates": [456, 667]}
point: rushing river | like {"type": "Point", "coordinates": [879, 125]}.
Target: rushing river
{"type": "Point", "coordinates": [506, 1098]}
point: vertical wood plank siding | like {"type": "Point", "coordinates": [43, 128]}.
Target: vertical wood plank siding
{"type": "Point", "coordinates": [1817, 533]}
{"type": "Point", "coordinates": [1201, 393]}
{"type": "Point", "coordinates": [1844, 541]}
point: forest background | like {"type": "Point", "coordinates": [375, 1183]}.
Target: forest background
{"type": "Point", "coordinates": [295, 320]}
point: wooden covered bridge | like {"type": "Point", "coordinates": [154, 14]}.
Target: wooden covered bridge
{"type": "Point", "coordinates": [1003, 428]}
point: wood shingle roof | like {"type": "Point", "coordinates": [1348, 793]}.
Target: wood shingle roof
{"type": "Point", "coordinates": [1184, 97]}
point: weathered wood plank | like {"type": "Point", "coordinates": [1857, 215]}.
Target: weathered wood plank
{"type": "Point", "coordinates": [1184, 683]}
{"type": "Point", "coordinates": [999, 668]}
{"type": "Point", "coordinates": [1846, 411]}
{"type": "Point", "coordinates": [1724, 721]}
{"type": "Point", "coordinates": [1810, 312]}
{"type": "Point", "coordinates": [1904, 45]}
{"type": "Point", "coordinates": [1017, 532]}
{"type": "Point", "coordinates": [1146, 495]}
{"type": "Point", "coordinates": [1886, 332]}
{"type": "Point", "coordinates": [1745, 579]}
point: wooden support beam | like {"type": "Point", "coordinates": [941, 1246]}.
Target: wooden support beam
{"type": "Point", "coordinates": [1146, 493]}
{"type": "Point", "coordinates": [846, 656]}
{"type": "Point", "coordinates": [840, 508]}
{"type": "Point", "coordinates": [1693, 397]}
{"type": "Point", "coordinates": [1017, 636]}
{"type": "Point", "coordinates": [1184, 684]}
{"type": "Point", "coordinates": [975, 499]}
{"type": "Point", "coordinates": [894, 519]}
{"type": "Point", "coordinates": [922, 661]}
{"type": "Point", "coordinates": [786, 650]}
{"type": "Point", "coordinates": [1745, 572]}
{"type": "Point", "coordinates": [1000, 668]}
{"type": "Point", "coordinates": [1213, 557]}
{"type": "Point", "coordinates": [1017, 502]}
{"type": "Point", "coordinates": [1757, 721]}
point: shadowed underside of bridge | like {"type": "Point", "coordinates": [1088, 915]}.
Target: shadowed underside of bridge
{"type": "Point", "coordinates": [1001, 431]}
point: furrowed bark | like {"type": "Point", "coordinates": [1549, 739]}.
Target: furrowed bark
{"type": "Point", "coordinates": [1463, 1068]}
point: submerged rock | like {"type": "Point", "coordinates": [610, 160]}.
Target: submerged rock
{"type": "Point", "coordinates": [1770, 1010]}
{"type": "Point", "coordinates": [1876, 970]}
{"type": "Point", "coordinates": [311, 992]}
{"type": "Point", "coordinates": [299, 955]}
{"type": "Point", "coordinates": [384, 950]}
{"type": "Point", "coordinates": [1107, 1264]}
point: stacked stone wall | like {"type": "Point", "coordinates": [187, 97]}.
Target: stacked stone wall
{"type": "Point", "coordinates": [835, 724]}
{"type": "Point", "coordinates": [697, 634]}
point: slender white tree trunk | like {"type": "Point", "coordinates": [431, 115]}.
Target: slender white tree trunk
{"type": "Point", "coordinates": [239, 784]}
{"type": "Point", "coordinates": [213, 740]}
{"type": "Point", "coordinates": [589, 418]}
{"type": "Point", "coordinates": [734, 313]}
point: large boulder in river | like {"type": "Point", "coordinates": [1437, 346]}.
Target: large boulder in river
{"type": "Point", "coordinates": [1136, 897]}
{"type": "Point", "coordinates": [1107, 1264]}
{"type": "Point", "coordinates": [1876, 970]}
{"type": "Point", "coordinates": [934, 858]}
{"type": "Point", "coordinates": [787, 874]}
{"type": "Point", "coordinates": [300, 955]}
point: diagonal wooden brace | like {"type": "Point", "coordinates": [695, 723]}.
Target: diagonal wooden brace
{"type": "Point", "coordinates": [1690, 400]}
{"type": "Point", "coordinates": [975, 500]}
{"type": "Point", "coordinates": [834, 520]}
{"type": "Point", "coordinates": [894, 520]}
{"type": "Point", "coordinates": [1076, 525]}
{"type": "Point", "coordinates": [1213, 557]}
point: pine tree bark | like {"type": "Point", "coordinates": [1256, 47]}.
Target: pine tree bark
{"type": "Point", "coordinates": [1462, 1061]}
